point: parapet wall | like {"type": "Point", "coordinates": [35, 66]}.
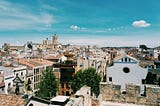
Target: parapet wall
{"type": "Point", "coordinates": [112, 92]}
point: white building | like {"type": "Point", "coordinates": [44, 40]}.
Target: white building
{"type": "Point", "coordinates": [34, 71]}
{"type": "Point", "coordinates": [21, 71]}
{"type": "Point", "coordinates": [154, 53]}
{"type": "Point", "coordinates": [8, 77]}
{"type": "Point", "coordinates": [126, 70]}
{"type": "Point", "coordinates": [57, 58]}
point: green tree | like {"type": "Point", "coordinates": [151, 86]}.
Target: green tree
{"type": "Point", "coordinates": [159, 57]}
{"type": "Point", "coordinates": [87, 77]}
{"type": "Point", "coordinates": [143, 47]}
{"type": "Point", "coordinates": [149, 78]}
{"type": "Point", "coordinates": [48, 84]}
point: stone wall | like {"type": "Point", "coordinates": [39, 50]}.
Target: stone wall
{"type": "Point", "coordinates": [112, 92]}
{"type": "Point", "coordinates": [81, 98]}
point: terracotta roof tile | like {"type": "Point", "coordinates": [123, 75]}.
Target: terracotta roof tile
{"type": "Point", "coordinates": [55, 57]}
{"type": "Point", "coordinates": [34, 62]}
{"type": "Point", "coordinates": [11, 100]}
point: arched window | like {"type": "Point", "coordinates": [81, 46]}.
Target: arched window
{"type": "Point", "coordinates": [129, 60]}
{"type": "Point", "coordinates": [122, 59]}
{"type": "Point", "coordinates": [125, 59]}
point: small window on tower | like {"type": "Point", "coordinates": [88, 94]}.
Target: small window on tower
{"type": "Point", "coordinates": [110, 79]}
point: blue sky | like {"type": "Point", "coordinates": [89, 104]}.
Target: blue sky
{"type": "Point", "coordinates": [81, 22]}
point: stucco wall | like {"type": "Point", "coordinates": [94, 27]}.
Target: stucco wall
{"type": "Point", "coordinates": [134, 76]}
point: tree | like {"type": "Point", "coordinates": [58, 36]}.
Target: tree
{"type": "Point", "coordinates": [149, 78]}
{"type": "Point", "coordinates": [159, 81]}
{"type": "Point", "coordinates": [159, 57]}
{"type": "Point", "coordinates": [143, 47]}
{"type": "Point", "coordinates": [48, 84]}
{"type": "Point", "coordinates": [87, 77]}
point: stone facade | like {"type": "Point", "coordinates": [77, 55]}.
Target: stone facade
{"type": "Point", "coordinates": [112, 92]}
{"type": "Point", "coordinates": [82, 97]}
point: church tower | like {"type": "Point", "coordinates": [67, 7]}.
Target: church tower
{"type": "Point", "coordinates": [55, 43]}
{"type": "Point", "coordinates": [55, 40]}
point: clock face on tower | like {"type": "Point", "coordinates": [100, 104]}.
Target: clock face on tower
{"type": "Point", "coordinates": [126, 70]}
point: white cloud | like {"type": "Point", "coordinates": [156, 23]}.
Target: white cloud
{"type": "Point", "coordinates": [17, 17]}
{"type": "Point", "coordinates": [140, 23]}
{"type": "Point", "coordinates": [75, 27]}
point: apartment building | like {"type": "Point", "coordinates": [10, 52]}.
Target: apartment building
{"type": "Point", "coordinates": [35, 67]}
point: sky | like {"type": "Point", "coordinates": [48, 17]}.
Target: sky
{"type": "Point", "coordinates": [81, 22]}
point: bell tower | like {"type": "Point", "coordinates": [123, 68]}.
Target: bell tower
{"type": "Point", "coordinates": [55, 40]}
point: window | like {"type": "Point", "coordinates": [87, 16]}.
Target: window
{"type": "Point", "coordinates": [37, 71]}
{"type": "Point", "coordinates": [125, 59]}
{"type": "Point", "coordinates": [123, 92]}
{"type": "Point", "coordinates": [29, 81]}
{"type": "Point", "coordinates": [21, 73]}
{"type": "Point", "coordinates": [67, 93]}
{"type": "Point", "coordinates": [122, 59]}
{"type": "Point", "coordinates": [129, 60]}
{"type": "Point", "coordinates": [126, 70]}
{"type": "Point", "coordinates": [110, 79]}
{"type": "Point", "coordinates": [9, 85]}
{"type": "Point", "coordinates": [34, 71]}
{"type": "Point", "coordinates": [34, 78]}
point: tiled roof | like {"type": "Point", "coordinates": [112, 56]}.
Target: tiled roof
{"type": "Point", "coordinates": [11, 100]}
{"type": "Point", "coordinates": [34, 62]}
{"type": "Point", "coordinates": [55, 57]}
